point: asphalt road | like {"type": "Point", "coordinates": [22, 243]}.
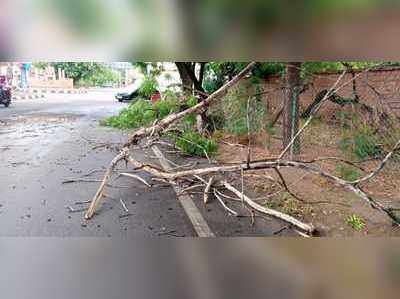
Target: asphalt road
{"type": "Point", "coordinates": [46, 142]}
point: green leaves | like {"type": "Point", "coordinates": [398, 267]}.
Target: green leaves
{"type": "Point", "coordinates": [142, 113]}
{"type": "Point", "coordinates": [148, 87]}
{"type": "Point", "coordinates": [87, 73]}
{"type": "Point", "coordinates": [362, 141]}
{"type": "Point", "coordinates": [193, 143]}
{"type": "Point", "coordinates": [137, 114]}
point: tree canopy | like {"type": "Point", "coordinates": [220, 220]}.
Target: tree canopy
{"type": "Point", "coordinates": [87, 73]}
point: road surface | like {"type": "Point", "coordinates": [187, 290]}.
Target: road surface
{"type": "Point", "coordinates": [45, 142]}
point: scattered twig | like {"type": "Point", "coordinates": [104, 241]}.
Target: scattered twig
{"type": "Point", "coordinates": [170, 233]}
{"type": "Point", "coordinates": [125, 215]}
{"type": "Point", "coordinates": [207, 190]}
{"type": "Point", "coordinates": [281, 230]}
{"type": "Point", "coordinates": [79, 180]}
{"type": "Point", "coordinates": [92, 172]}
{"type": "Point", "coordinates": [82, 202]}
{"type": "Point", "coordinates": [72, 210]}
{"type": "Point", "coordinates": [229, 210]}
{"type": "Point", "coordinates": [124, 205]}
{"type": "Point", "coordinates": [185, 190]}
{"type": "Point", "coordinates": [130, 175]}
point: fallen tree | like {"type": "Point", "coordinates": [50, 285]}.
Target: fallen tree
{"type": "Point", "coordinates": [196, 176]}
{"type": "Point", "coordinates": [156, 128]}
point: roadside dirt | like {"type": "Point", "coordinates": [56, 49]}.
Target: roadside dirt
{"type": "Point", "coordinates": [331, 215]}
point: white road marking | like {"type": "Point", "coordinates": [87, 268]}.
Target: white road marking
{"type": "Point", "coordinates": [200, 225]}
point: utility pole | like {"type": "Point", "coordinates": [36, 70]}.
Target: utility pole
{"type": "Point", "coordinates": [291, 107]}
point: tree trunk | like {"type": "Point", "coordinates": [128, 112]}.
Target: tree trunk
{"type": "Point", "coordinates": [189, 78]}
{"type": "Point", "coordinates": [191, 82]}
{"type": "Point", "coordinates": [291, 107]}
{"type": "Point", "coordinates": [187, 82]}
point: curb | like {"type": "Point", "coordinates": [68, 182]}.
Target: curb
{"type": "Point", "coordinates": [50, 90]}
{"type": "Point", "coordinates": [28, 96]}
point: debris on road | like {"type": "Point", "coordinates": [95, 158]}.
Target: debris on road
{"type": "Point", "coordinates": [124, 205]}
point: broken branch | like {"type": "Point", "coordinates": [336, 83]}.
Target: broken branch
{"type": "Point", "coordinates": [207, 190]}
{"type": "Point", "coordinates": [130, 175]}
{"type": "Point", "coordinates": [309, 228]}
{"type": "Point", "coordinates": [229, 210]}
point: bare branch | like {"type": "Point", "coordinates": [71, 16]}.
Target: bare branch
{"type": "Point", "coordinates": [309, 228]}
{"type": "Point", "coordinates": [229, 210]}
{"type": "Point", "coordinates": [207, 190]}
{"type": "Point", "coordinates": [99, 194]}
{"type": "Point", "coordinates": [130, 175]}
{"type": "Point", "coordinates": [380, 166]}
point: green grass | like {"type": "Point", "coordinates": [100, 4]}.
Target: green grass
{"type": "Point", "coordinates": [348, 173]}
{"type": "Point", "coordinates": [362, 141]}
{"type": "Point", "coordinates": [356, 222]}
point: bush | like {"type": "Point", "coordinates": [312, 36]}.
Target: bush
{"type": "Point", "coordinates": [166, 107]}
{"type": "Point", "coordinates": [191, 101]}
{"type": "Point", "coordinates": [362, 141]}
{"type": "Point", "coordinates": [365, 145]}
{"type": "Point", "coordinates": [142, 113]}
{"type": "Point", "coordinates": [193, 143]}
{"type": "Point", "coordinates": [149, 87]}
{"type": "Point", "coordinates": [137, 114]}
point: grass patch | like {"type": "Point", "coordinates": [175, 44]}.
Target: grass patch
{"type": "Point", "coordinates": [285, 203]}
{"type": "Point", "coordinates": [356, 222]}
{"type": "Point", "coordinates": [348, 173]}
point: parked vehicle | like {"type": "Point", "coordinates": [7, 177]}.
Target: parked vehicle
{"type": "Point", "coordinates": [132, 95]}
{"type": "Point", "coordinates": [5, 92]}
{"type": "Point", "coordinates": [127, 96]}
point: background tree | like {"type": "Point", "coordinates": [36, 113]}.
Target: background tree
{"type": "Point", "coordinates": [192, 75]}
{"type": "Point", "coordinates": [87, 73]}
